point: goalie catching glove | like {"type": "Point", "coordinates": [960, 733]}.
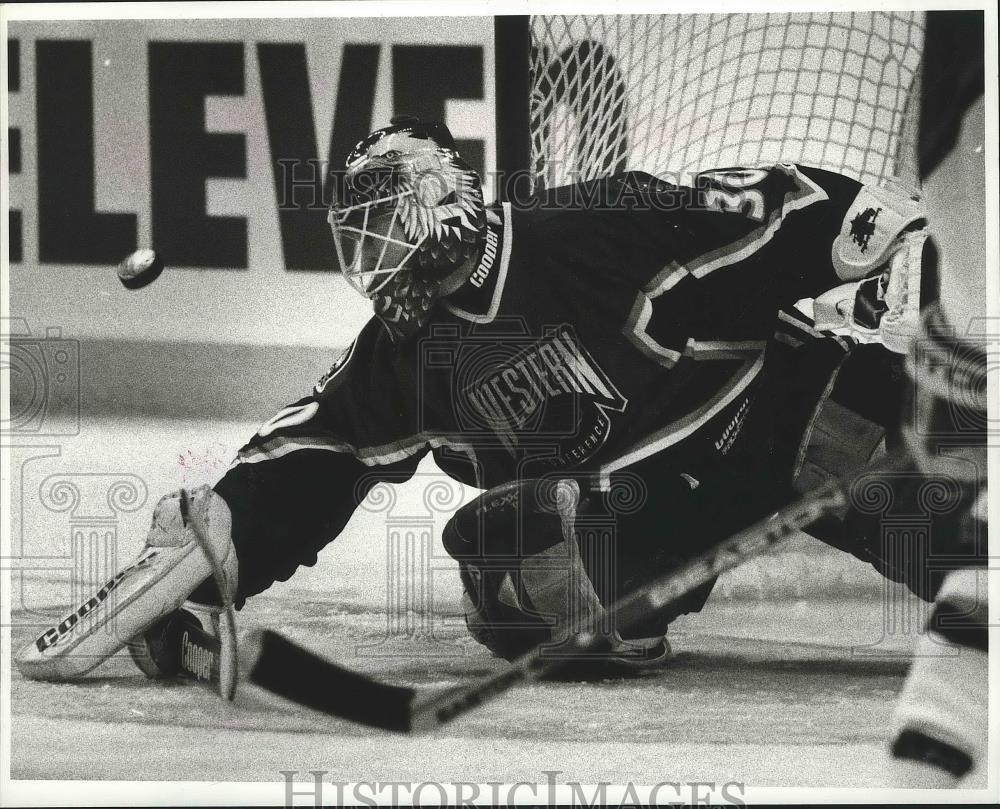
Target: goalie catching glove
{"type": "Point", "coordinates": [171, 565]}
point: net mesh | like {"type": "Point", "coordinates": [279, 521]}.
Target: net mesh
{"type": "Point", "coordinates": [669, 94]}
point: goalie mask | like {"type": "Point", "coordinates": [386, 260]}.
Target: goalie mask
{"type": "Point", "coordinates": [408, 213]}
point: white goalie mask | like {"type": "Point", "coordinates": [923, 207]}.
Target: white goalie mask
{"type": "Point", "coordinates": [407, 212]}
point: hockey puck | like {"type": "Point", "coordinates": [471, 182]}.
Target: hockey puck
{"type": "Point", "coordinates": [140, 269]}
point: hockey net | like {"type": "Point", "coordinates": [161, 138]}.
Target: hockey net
{"type": "Point", "coordinates": [670, 94]}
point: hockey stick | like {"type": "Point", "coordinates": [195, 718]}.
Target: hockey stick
{"type": "Point", "coordinates": [278, 665]}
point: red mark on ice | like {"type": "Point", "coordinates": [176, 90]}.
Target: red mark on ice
{"type": "Point", "coordinates": [206, 465]}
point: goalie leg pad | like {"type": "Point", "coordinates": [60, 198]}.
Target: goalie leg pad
{"type": "Point", "coordinates": [505, 523]}
{"type": "Point", "coordinates": [526, 583]}
{"type": "Point", "coordinates": [558, 585]}
{"type": "Point", "coordinates": [489, 537]}
{"type": "Point", "coordinates": [493, 613]}
{"type": "Point", "coordinates": [169, 567]}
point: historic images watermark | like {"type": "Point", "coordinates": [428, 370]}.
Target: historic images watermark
{"type": "Point", "coordinates": [67, 523]}
{"type": "Point", "coordinates": [44, 374]}
{"type": "Point", "coordinates": [65, 563]}
{"type": "Point", "coordinates": [315, 185]}
{"type": "Point", "coordinates": [929, 519]}
{"type": "Point", "coordinates": [303, 788]}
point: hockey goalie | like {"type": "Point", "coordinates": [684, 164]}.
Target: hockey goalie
{"type": "Point", "coordinates": [626, 351]}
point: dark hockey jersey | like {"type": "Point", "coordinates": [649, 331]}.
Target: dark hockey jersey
{"type": "Point", "coordinates": [606, 324]}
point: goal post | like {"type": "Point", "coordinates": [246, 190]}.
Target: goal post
{"type": "Point", "coordinates": [673, 94]}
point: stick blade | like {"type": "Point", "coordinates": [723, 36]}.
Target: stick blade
{"type": "Point", "coordinates": [272, 662]}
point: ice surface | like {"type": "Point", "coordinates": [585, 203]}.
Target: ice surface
{"type": "Point", "coordinates": [769, 691]}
